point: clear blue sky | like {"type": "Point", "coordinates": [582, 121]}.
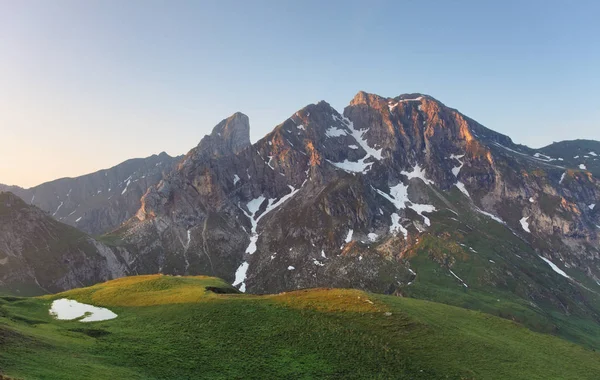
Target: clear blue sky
{"type": "Point", "coordinates": [87, 84]}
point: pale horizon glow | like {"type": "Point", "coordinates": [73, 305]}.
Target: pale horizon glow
{"type": "Point", "coordinates": [86, 85]}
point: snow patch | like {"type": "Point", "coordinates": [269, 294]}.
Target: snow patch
{"type": "Point", "coordinates": [399, 198]}
{"type": "Point", "coordinates": [372, 236]}
{"type": "Point", "coordinates": [58, 208]}
{"type": "Point", "coordinates": [78, 219]}
{"type": "Point", "coordinates": [531, 200]}
{"type": "Point", "coordinates": [494, 217]}
{"type": "Point", "coordinates": [562, 177]}
{"type": "Point", "coordinates": [240, 276]}
{"type": "Point", "coordinates": [335, 132]}
{"type": "Point", "coordinates": [582, 167]}
{"type": "Point", "coordinates": [543, 157]}
{"type": "Point", "coordinates": [398, 195]}
{"type": "Point", "coordinates": [459, 279]}
{"type": "Point", "coordinates": [591, 207]}
{"type": "Point", "coordinates": [352, 146]}
{"type": "Point", "coordinates": [524, 224]}
{"type": "Point", "coordinates": [67, 310]}
{"type": "Point", "coordinates": [456, 169]}
{"type": "Point", "coordinates": [189, 239]}
{"type": "Point", "coordinates": [353, 167]}
{"type": "Point", "coordinates": [392, 105]}
{"type": "Point", "coordinates": [349, 237]}
{"type": "Point", "coordinates": [361, 166]}
{"type": "Point", "coordinates": [462, 188]}
{"type": "Point", "coordinates": [318, 263]}
{"type": "Point", "coordinates": [126, 186]}
{"type": "Point", "coordinates": [554, 267]}
{"type": "Point", "coordinates": [301, 127]}
{"type": "Point", "coordinates": [236, 179]}
{"type": "Point", "coordinates": [396, 226]}
{"type": "Point", "coordinates": [291, 268]}
{"type": "Point", "coordinates": [323, 254]}
{"type": "Point", "coordinates": [417, 172]}
{"type": "Point", "coordinates": [420, 209]}
{"type": "Point", "coordinates": [592, 154]}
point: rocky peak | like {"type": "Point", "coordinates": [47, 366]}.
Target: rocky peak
{"type": "Point", "coordinates": [231, 135]}
{"type": "Point", "coordinates": [370, 100]}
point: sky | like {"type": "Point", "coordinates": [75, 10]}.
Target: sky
{"type": "Point", "coordinates": [85, 85]}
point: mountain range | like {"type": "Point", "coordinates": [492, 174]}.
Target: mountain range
{"type": "Point", "coordinates": [99, 202]}
{"type": "Point", "coordinates": [401, 196]}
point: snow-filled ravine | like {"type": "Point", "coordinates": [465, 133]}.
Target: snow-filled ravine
{"type": "Point", "coordinates": [67, 310]}
{"type": "Point", "coordinates": [253, 206]}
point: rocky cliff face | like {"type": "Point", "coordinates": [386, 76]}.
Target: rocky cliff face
{"type": "Point", "coordinates": [97, 203]}
{"type": "Point", "coordinates": [40, 255]}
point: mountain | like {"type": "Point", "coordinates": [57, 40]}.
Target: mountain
{"type": "Point", "coordinates": [41, 255]}
{"type": "Point", "coordinates": [338, 183]}
{"type": "Point", "coordinates": [576, 153]}
{"type": "Point", "coordinates": [167, 327]}
{"type": "Point", "coordinates": [399, 195]}
{"type": "Point", "coordinates": [98, 202]}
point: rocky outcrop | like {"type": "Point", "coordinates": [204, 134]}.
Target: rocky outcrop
{"type": "Point", "coordinates": [231, 135]}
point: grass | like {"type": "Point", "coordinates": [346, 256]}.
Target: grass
{"type": "Point", "coordinates": [173, 328]}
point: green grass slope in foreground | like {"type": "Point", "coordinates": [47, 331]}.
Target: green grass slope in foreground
{"type": "Point", "coordinates": [171, 327]}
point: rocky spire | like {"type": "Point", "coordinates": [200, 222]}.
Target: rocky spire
{"type": "Point", "coordinates": [231, 135]}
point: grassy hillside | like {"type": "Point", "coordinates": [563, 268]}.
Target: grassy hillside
{"type": "Point", "coordinates": [172, 327]}
{"type": "Point", "coordinates": [474, 262]}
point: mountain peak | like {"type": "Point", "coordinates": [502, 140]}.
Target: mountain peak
{"type": "Point", "coordinates": [231, 135]}
{"type": "Point", "coordinates": [371, 100]}
{"type": "Point", "coordinates": [366, 98]}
